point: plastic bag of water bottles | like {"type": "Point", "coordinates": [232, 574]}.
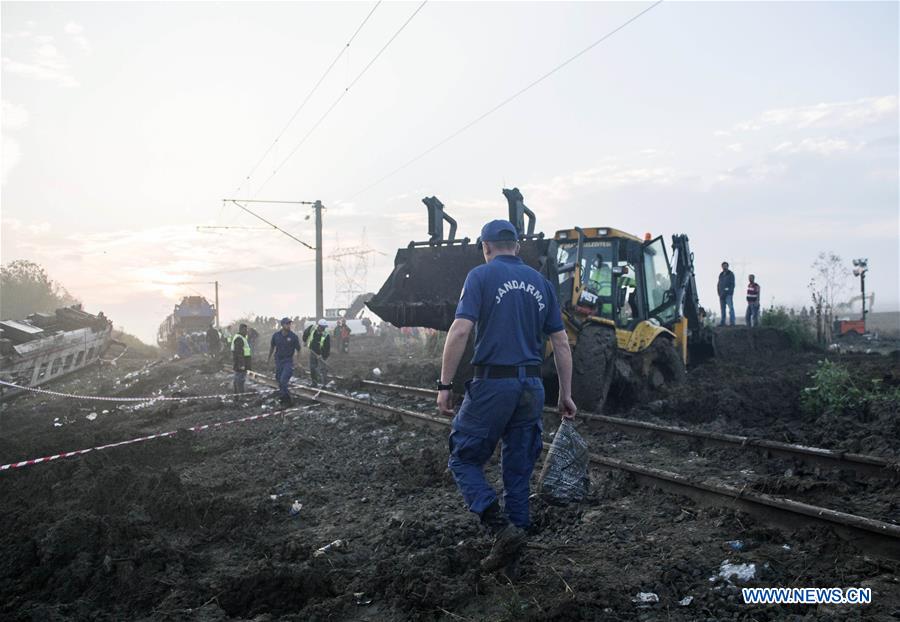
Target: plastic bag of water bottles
{"type": "Point", "coordinates": [565, 477]}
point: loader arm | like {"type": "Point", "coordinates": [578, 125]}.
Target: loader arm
{"type": "Point", "coordinates": [700, 339]}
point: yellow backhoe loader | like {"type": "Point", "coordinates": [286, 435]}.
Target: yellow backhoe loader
{"type": "Point", "coordinates": [631, 313]}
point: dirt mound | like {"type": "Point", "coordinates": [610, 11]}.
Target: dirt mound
{"type": "Point", "coordinates": [735, 342]}
{"type": "Point", "coordinates": [273, 589]}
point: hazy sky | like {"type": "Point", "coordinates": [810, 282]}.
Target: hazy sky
{"type": "Point", "coordinates": [765, 131]}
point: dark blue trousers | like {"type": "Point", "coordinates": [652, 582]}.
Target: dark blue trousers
{"type": "Point", "coordinates": [284, 369]}
{"type": "Point", "coordinates": [506, 410]}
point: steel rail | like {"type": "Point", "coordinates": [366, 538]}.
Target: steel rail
{"type": "Point", "coordinates": [830, 458]}
{"type": "Point", "coordinates": [874, 536]}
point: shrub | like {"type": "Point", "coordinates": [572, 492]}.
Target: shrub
{"type": "Point", "coordinates": [834, 391]}
{"type": "Point", "coordinates": [798, 330]}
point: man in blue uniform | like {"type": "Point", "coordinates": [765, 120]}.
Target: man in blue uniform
{"type": "Point", "coordinates": [512, 306]}
{"type": "Point", "coordinates": [284, 344]}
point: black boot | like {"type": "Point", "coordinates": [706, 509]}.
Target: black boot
{"type": "Point", "coordinates": [508, 539]}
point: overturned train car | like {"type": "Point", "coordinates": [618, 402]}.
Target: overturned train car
{"type": "Point", "coordinates": [44, 346]}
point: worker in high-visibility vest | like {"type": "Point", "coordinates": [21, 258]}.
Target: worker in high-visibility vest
{"type": "Point", "coordinates": [318, 341]}
{"type": "Point", "coordinates": [242, 356]}
{"type": "Point", "coordinates": [600, 283]}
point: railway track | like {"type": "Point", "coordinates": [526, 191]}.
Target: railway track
{"type": "Point", "coordinates": [874, 536]}
{"type": "Point", "coordinates": [829, 458]}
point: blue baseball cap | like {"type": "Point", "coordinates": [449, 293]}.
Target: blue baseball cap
{"type": "Point", "coordinates": [286, 320]}
{"type": "Point", "coordinates": [499, 231]}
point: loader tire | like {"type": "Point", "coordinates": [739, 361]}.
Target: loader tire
{"type": "Point", "coordinates": [662, 365]}
{"type": "Point", "coordinates": [593, 366]}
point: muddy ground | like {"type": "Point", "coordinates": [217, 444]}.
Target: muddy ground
{"type": "Point", "coordinates": [197, 525]}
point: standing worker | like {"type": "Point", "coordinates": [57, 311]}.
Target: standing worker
{"type": "Point", "coordinates": [343, 334]}
{"type": "Point", "coordinates": [318, 341]}
{"type": "Point", "coordinates": [753, 302]}
{"type": "Point", "coordinates": [284, 344]}
{"type": "Point", "coordinates": [505, 399]}
{"type": "Point", "coordinates": [213, 341]}
{"type": "Point", "coordinates": [242, 357]}
{"type": "Point", "coordinates": [726, 292]}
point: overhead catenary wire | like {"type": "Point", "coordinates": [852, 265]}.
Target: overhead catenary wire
{"type": "Point", "coordinates": [504, 102]}
{"type": "Point", "coordinates": [340, 97]}
{"type": "Point", "coordinates": [306, 99]}
{"type": "Point", "coordinates": [273, 225]}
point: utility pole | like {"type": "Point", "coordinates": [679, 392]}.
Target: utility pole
{"type": "Point", "coordinates": [320, 303]}
{"type": "Point", "coordinates": [860, 267]}
{"type": "Point", "coordinates": [318, 207]}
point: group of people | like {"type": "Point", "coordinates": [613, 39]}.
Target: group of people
{"type": "Point", "coordinates": [284, 346]}
{"type": "Point", "coordinates": [726, 297]}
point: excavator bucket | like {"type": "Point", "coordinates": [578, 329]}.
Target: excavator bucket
{"type": "Point", "coordinates": [425, 285]}
{"type": "Point", "coordinates": [424, 288]}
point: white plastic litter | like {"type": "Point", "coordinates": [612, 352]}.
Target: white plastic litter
{"type": "Point", "coordinates": [296, 507]}
{"type": "Point", "coordinates": [739, 572]}
{"type": "Point", "coordinates": [645, 598]}
{"type": "Point", "coordinates": [91, 416]}
{"type": "Point", "coordinates": [337, 544]}
{"type": "Point", "coordinates": [684, 602]}
{"type": "Point", "coordinates": [376, 372]}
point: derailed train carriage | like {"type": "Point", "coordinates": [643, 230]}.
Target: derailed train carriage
{"type": "Point", "coordinates": [47, 346]}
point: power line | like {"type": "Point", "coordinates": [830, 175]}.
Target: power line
{"type": "Point", "coordinates": [209, 227]}
{"type": "Point", "coordinates": [273, 225]}
{"type": "Point", "coordinates": [306, 99]}
{"type": "Point", "coordinates": [505, 101]}
{"type": "Point", "coordinates": [341, 96]}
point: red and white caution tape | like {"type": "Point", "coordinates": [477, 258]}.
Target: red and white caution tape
{"type": "Point", "coordinates": [157, 398]}
{"type": "Point", "coordinates": [80, 452]}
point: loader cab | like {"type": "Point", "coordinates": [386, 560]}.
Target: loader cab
{"type": "Point", "coordinates": [610, 275]}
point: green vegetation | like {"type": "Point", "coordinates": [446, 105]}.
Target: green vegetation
{"type": "Point", "coordinates": [136, 347]}
{"type": "Point", "coordinates": [798, 330]}
{"type": "Point", "coordinates": [25, 288]}
{"type": "Point", "coordinates": [836, 392]}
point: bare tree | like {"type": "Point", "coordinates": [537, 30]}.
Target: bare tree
{"type": "Point", "coordinates": [829, 280]}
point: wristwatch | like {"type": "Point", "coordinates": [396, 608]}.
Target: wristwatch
{"type": "Point", "coordinates": [444, 387]}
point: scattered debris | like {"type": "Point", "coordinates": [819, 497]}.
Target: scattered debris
{"type": "Point", "coordinates": [684, 602]}
{"type": "Point", "coordinates": [92, 416]}
{"type": "Point", "coordinates": [295, 507]}
{"type": "Point", "coordinates": [739, 572]}
{"type": "Point", "coordinates": [645, 598]}
{"type": "Point", "coordinates": [337, 544]}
